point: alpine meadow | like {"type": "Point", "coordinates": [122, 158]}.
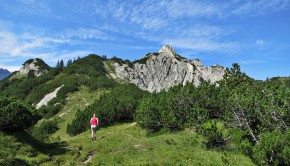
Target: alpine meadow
{"type": "Point", "coordinates": [155, 82]}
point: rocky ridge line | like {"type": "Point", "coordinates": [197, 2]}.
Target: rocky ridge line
{"type": "Point", "coordinates": [164, 69]}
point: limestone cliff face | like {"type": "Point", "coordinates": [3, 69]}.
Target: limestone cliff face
{"type": "Point", "coordinates": [165, 69]}
{"type": "Point", "coordinates": [37, 66]}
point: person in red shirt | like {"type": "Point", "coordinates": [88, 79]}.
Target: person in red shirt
{"type": "Point", "coordinates": [94, 124]}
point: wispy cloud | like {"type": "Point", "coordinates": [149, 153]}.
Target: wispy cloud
{"type": "Point", "coordinates": [10, 68]}
{"type": "Point", "coordinates": [260, 7]}
{"type": "Point", "coordinates": [250, 62]}
{"type": "Point", "coordinates": [27, 7]}
{"type": "Point", "coordinates": [86, 33]}
{"type": "Point", "coordinates": [189, 8]}
{"type": "Point", "coordinates": [260, 43]}
{"type": "Point", "coordinates": [203, 45]}
{"type": "Point", "coordinates": [21, 45]}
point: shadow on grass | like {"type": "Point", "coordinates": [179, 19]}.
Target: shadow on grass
{"type": "Point", "coordinates": [50, 149]}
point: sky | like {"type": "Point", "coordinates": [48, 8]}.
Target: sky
{"type": "Point", "coordinates": [252, 33]}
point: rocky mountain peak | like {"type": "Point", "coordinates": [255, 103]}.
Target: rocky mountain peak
{"type": "Point", "coordinates": [167, 50]}
{"type": "Point", "coordinates": [36, 66]}
{"type": "Point", "coordinates": [155, 73]}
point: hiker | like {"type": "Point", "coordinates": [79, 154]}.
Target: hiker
{"type": "Point", "coordinates": [94, 124]}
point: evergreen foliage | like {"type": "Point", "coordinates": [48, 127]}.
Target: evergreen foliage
{"type": "Point", "coordinates": [15, 115]}
{"type": "Point", "coordinates": [273, 148]}
{"type": "Point", "coordinates": [121, 61]}
{"type": "Point", "coordinates": [254, 108]}
{"type": "Point", "coordinates": [91, 65]}
{"type": "Point", "coordinates": [116, 106]}
{"type": "Point", "coordinates": [39, 62]}
{"type": "Point", "coordinates": [45, 129]}
{"type": "Point", "coordinates": [88, 71]}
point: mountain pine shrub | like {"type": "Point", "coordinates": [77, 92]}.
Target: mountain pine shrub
{"type": "Point", "coordinates": [16, 115]}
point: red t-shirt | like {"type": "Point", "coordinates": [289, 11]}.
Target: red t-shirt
{"type": "Point", "coordinates": [94, 121]}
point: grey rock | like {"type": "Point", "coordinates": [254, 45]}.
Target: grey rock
{"type": "Point", "coordinates": [162, 70]}
{"type": "Point", "coordinates": [48, 97]}
{"type": "Point", "coordinates": [27, 67]}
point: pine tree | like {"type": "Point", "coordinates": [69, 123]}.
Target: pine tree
{"type": "Point", "coordinates": [57, 64]}
{"type": "Point", "coordinates": [61, 64]}
{"type": "Point", "coordinates": [69, 62]}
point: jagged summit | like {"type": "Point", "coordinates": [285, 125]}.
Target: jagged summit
{"type": "Point", "coordinates": [167, 50]}
{"type": "Point", "coordinates": [155, 73]}
{"type": "Point", "coordinates": [36, 66]}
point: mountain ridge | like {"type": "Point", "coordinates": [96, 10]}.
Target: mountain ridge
{"type": "Point", "coordinates": [164, 69]}
{"type": "Point", "coordinates": [154, 72]}
{"type": "Point", "coordinates": [4, 73]}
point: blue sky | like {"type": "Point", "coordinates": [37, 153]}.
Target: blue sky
{"type": "Point", "coordinates": [253, 33]}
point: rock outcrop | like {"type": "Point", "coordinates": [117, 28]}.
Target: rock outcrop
{"type": "Point", "coordinates": [48, 97]}
{"type": "Point", "coordinates": [164, 69]}
{"type": "Point", "coordinates": [4, 73]}
{"type": "Point", "coordinates": [37, 67]}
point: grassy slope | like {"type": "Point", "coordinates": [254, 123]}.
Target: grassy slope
{"type": "Point", "coordinates": [77, 100]}
{"type": "Point", "coordinates": [122, 144]}
{"type": "Point", "coordinates": [127, 144]}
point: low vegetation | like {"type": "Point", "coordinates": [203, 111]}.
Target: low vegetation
{"type": "Point", "coordinates": [236, 121]}
{"type": "Point", "coordinates": [16, 115]}
{"type": "Point", "coordinates": [252, 112]}
{"type": "Point", "coordinates": [113, 107]}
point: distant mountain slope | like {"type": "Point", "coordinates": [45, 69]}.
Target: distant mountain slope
{"type": "Point", "coordinates": [36, 80]}
{"type": "Point", "coordinates": [4, 73]}
{"type": "Point", "coordinates": [164, 69]}
{"type": "Point", "coordinates": [154, 72]}
{"type": "Point", "coordinates": [37, 67]}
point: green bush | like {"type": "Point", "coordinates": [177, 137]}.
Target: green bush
{"type": "Point", "coordinates": [113, 107]}
{"type": "Point", "coordinates": [214, 136]}
{"type": "Point", "coordinates": [16, 115]}
{"type": "Point", "coordinates": [45, 129]}
{"type": "Point", "coordinates": [174, 109]}
{"type": "Point", "coordinates": [273, 148]}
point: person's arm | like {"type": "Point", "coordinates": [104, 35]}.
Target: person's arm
{"type": "Point", "coordinates": [97, 121]}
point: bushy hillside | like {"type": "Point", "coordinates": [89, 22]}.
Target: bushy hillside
{"type": "Point", "coordinates": [255, 115]}
{"type": "Point", "coordinates": [235, 121]}
{"type": "Point", "coordinates": [88, 71]}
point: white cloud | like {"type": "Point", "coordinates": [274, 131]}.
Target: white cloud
{"type": "Point", "coordinates": [10, 68]}
{"type": "Point", "coordinates": [259, 7]}
{"type": "Point", "coordinates": [250, 62]}
{"type": "Point", "coordinates": [7, 42]}
{"type": "Point", "coordinates": [260, 43]}
{"type": "Point", "coordinates": [86, 33]}
{"type": "Point", "coordinates": [202, 45]}
{"type": "Point", "coordinates": [23, 45]}
{"type": "Point", "coordinates": [155, 14]}
{"type": "Point", "coordinates": [189, 8]}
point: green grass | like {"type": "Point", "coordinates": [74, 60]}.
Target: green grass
{"type": "Point", "coordinates": [120, 144]}
{"type": "Point", "coordinates": [128, 144]}
{"type": "Point", "coordinates": [109, 66]}
{"type": "Point", "coordinates": [77, 100]}
{"type": "Point", "coordinates": [18, 76]}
